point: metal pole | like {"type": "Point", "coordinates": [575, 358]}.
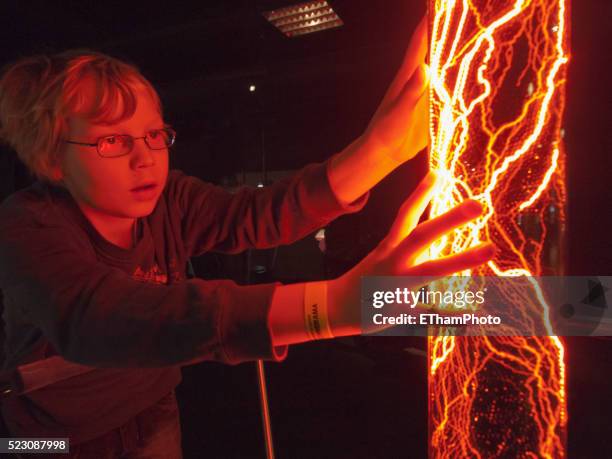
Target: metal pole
{"type": "Point", "coordinates": [265, 413]}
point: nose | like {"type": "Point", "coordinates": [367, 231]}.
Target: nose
{"type": "Point", "coordinates": [141, 155]}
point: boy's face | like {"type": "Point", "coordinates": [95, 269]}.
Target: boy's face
{"type": "Point", "coordinates": [106, 186]}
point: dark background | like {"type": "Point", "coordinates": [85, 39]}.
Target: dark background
{"type": "Point", "coordinates": [354, 397]}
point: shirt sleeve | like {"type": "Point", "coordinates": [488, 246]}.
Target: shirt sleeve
{"type": "Point", "coordinates": [215, 220]}
{"type": "Point", "coordinates": [97, 315]}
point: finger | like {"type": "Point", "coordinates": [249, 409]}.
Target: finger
{"type": "Point", "coordinates": [418, 137]}
{"type": "Point", "coordinates": [415, 55]}
{"type": "Point", "coordinates": [416, 52]}
{"type": "Point", "coordinates": [446, 266]}
{"type": "Point", "coordinates": [428, 232]}
{"type": "Point", "coordinates": [412, 209]}
{"type": "Point", "coordinates": [412, 91]}
{"type": "Point", "coordinates": [412, 110]}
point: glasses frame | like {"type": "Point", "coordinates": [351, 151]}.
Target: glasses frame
{"type": "Point", "coordinates": [171, 131]}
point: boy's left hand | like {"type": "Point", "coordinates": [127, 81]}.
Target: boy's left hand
{"type": "Point", "coordinates": [400, 126]}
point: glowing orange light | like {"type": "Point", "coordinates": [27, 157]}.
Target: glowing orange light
{"type": "Point", "coordinates": [497, 75]}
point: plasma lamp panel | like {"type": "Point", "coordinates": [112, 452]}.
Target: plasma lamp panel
{"type": "Point", "coordinates": [497, 95]}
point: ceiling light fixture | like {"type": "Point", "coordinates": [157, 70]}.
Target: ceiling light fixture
{"type": "Point", "coordinates": [303, 18]}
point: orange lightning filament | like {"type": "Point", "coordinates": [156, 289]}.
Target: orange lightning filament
{"type": "Point", "coordinates": [497, 76]}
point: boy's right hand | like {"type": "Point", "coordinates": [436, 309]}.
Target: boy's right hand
{"type": "Point", "coordinates": [398, 253]}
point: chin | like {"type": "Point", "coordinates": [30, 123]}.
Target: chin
{"type": "Point", "coordinates": [143, 210]}
{"type": "Point", "coordinates": [135, 209]}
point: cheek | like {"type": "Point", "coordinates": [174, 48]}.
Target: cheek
{"type": "Point", "coordinates": [90, 178]}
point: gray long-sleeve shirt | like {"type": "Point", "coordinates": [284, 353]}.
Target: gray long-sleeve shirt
{"type": "Point", "coordinates": [131, 313]}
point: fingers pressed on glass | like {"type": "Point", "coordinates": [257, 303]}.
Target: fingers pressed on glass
{"type": "Point", "coordinates": [431, 230]}
{"type": "Point", "coordinates": [415, 54]}
{"type": "Point", "coordinates": [417, 49]}
{"type": "Point", "coordinates": [446, 266]}
{"type": "Point", "coordinates": [412, 209]}
{"type": "Point", "coordinates": [412, 91]}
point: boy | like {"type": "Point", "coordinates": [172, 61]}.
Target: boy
{"type": "Point", "coordinates": [92, 257]}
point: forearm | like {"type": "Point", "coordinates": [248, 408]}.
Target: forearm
{"type": "Point", "coordinates": [358, 168]}
{"type": "Point", "coordinates": [213, 219]}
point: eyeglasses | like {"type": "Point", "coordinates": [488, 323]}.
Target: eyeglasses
{"type": "Point", "coordinates": [112, 146]}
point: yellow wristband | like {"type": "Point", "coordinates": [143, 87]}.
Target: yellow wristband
{"type": "Point", "coordinates": [315, 310]}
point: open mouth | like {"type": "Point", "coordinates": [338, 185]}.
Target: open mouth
{"type": "Point", "coordinates": [148, 187]}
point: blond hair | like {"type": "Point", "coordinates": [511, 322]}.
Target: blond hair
{"type": "Point", "coordinates": [38, 93]}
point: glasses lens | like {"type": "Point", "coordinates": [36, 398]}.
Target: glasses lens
{"type": "Point", "coordinates": [158, 139]}
{"type": "Point", "coordinates": [115, 145]}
